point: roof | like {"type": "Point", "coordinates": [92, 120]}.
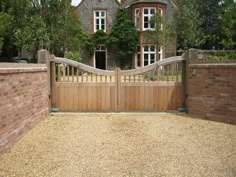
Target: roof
{"type": "Point", "coordinates": [83, 0]}
{"type": "Point", "coordinates": [130, 2]}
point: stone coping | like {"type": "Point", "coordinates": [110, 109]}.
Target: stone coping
{"type": "Point", "coordinates": [19, 68]}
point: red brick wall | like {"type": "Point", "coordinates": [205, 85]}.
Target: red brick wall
{"type": "Point", "coordinates": [23, 99]}
{"type": "Point", "coordinates": [212, 91]}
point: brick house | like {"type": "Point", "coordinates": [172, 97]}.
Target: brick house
{"type": "Point", "coordinates": [100, 15]}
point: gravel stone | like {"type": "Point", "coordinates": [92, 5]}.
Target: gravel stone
{"type": "Point", "coordinates": [123, 145]}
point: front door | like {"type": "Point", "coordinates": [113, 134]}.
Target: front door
{"type": "Point", "coordinates": [100, 57]}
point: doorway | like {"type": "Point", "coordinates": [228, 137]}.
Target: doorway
{"type": "Point", "coordinates": [100, 57]}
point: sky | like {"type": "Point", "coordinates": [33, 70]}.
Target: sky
{"type": "Point", "coordinates": [75, 2]}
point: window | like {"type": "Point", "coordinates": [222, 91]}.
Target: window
{"type": "Point", "coordinates": [147, 15]}
{"type": "Point", "coordinates": [99, 20]}
{"type": "Point", "coordinates": [137, 19]}
{"type": "Point", "coordinates": [137, 57]}
{"type": "Point", "coordinates": [160, 53]}
{"type": "Point", "coordinates": [149, 54]}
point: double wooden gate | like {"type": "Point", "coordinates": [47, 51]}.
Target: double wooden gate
{"type": "Point", "coordinates": [78, 87]}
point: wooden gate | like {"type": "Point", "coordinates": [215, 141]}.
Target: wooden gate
{"type": "Point", "coordinates": [78, 87]}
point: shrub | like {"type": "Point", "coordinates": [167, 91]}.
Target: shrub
{"type": "Point", "coordinates": [73, 55]}
{"type": "Point", "coordinates": [222, 56]}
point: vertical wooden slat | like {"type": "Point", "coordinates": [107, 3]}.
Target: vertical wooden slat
{"type": "Point", "coordinates": [87, 75]}
{"type": "Point", "coordinates": [59, 72]}
{"type": "Point", "coordinates": [72, 74]}
{"type": "Point", "coordinates": [177, 72]}
{"type": "Point", "coordinates": [77, 74]}
{"type": "Point", "coordinates": [168, 71]}
{"type": "Point", "coordinates": [163, 73]}
{"type": "Point", "coordinates": [172, 71]}
{"type": "Point", "coordinates": [82, 76]}
{"type": "Point", "coordinates": [68, 73]}
{"type": "Point", "coordinates": [64, 73]}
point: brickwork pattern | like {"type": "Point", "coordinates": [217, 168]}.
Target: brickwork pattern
{"type": "Point", "coordinates": [23, 99]}
{"type": "Point", "coordinates": [212, 91]}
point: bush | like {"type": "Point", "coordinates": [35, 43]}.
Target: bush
{"type": "Point", "coordinates": [73, 55]}
{"type": "Point", "coordinates": [222, 56]}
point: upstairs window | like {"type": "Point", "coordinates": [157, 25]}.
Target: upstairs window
{"type": "Point", "coordinates": [137, 18]}
{"type": "Point", "coordinates": [147, 15]}
{"type": "Point", "coordinates": [99, 20]}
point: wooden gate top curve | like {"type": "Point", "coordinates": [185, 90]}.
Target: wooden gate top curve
{"type": "Point", "coordinates": [166, 61]}
{"type": "Point", "coordinates": [82, 66]}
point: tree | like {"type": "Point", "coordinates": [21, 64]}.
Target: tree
{"type": "Point", "coordinates": [51, 24]}
{"type": "Point", "coordinates": [188, 23]}
{"type": "Point", "coordinates": [228, 24]}
{"type": "Point", "coordinates": [209, 12]}
{"type": "Point", "coordinates": [123, 38]}
{"type": "Point", "coordinates": [31, 34]}
{"type": "Point", "coordinates": [4, 22]}
{"type": "Point", "coordinates": [62, 23]}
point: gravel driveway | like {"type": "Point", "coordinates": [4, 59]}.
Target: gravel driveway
{"type": "Point", "coordinates": [143, 144]}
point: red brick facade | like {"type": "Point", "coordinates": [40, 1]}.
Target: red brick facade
{"type": "Point", "coordinates": [23, 99]}
{"type": "Point", "coordinates": [212, 90]}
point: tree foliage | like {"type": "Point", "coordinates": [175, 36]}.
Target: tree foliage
{"type": "Point", "coordinates": [4, 22]}
{"type": "Point", "coordinates": [50, 24]}
{"type": "Point", "coordinates": [188, 22]}
{"type": "Point", "coordinates": [32, 33]}
{"type": "Point", "coordinates": [228, 24]}
{"type": "Point", "coordinates": [206, 24]}
{"type": "Point", "coordinates": [123, 38]}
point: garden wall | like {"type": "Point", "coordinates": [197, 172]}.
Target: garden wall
{"type": "Point", "coordinates": [23, 99]}
{"type": "Point", "coordinates": [211, 89]}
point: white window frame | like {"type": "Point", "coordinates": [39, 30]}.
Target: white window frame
{"type": "Point", "coordinates": [100, 18]}
{"type": "Point", "coordinates": [149, 52]}
{"type": "Point", "coordinates": [137, 18]}
{"type": "Point", "coordinates": [149, 16]}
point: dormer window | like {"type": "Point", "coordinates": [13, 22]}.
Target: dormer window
{"type": "Point", "coordinates": [99, 20]}
{"type": "Point", "coordinates": [147, 15]}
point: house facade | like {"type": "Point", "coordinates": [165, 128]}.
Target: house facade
{"type": "Point", "coordinates": [100, 15]}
